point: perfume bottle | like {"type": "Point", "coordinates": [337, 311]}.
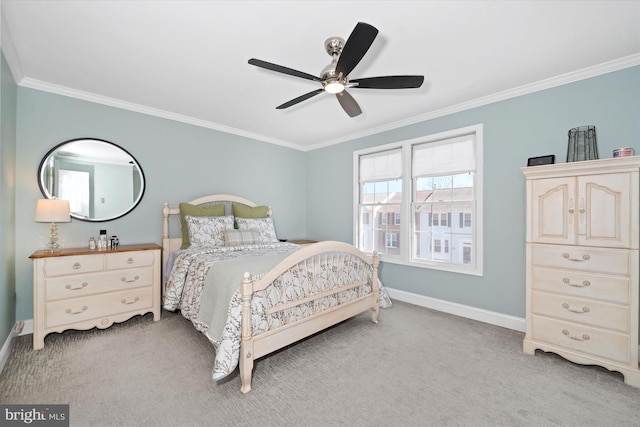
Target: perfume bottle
{"type": "Point", "coordinates": [102, 241]}
{"type": "Point", "coordinates": [92, 243]}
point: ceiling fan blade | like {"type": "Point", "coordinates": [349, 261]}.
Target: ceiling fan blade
{"type": "Point", "coordinates": [281, 69]}
{"type": "Point", "coordinates": [349, 105]}
{"type": "Point", "coordinates": [355, 47]}
{"type": "Point", "coordinates": [299, 99]}
{"type": "Point", "coordinates": [389, 82]}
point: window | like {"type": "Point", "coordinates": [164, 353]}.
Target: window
{"type": "Point", "coordinates": [427, 196]}
{"type": "Point", "coordinates": [391, 240]}
{"type": "Point", "coordinates": [380, 194]}
{"type": "Point", "coordinates": [396, 218]}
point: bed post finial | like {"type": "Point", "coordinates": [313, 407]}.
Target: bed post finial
{"type": "Point", "coordinates": [374, 289]}
{"type": "Point", "coordinates": [165, 221]}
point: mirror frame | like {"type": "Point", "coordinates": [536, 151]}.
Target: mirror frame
{"type": "Point", "coordinates": [45, 191]}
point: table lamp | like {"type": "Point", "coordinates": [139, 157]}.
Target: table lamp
{"type": "Point", "coordinates": [52, 211]}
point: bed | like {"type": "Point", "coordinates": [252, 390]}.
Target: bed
{"type": "Point", "coordinates": [252, 295]}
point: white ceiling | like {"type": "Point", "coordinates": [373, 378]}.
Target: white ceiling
{"type": "Point", "coordinates": [187, 60]}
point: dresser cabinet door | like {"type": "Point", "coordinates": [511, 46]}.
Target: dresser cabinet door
{"type": "Point", "coordinates": [552, 211]}
{"type": "Point", "coordinates": [604, 210]}
{"type": "Point", "coordinates": [589, 210]}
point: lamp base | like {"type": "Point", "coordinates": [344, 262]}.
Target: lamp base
{"type": "Point", "coordinates": [53, 238]}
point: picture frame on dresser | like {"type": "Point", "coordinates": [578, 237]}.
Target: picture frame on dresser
{"type": "Point", "coordinates": [80, 288]}
{"type": "Point", "coordinates": [541, 160]}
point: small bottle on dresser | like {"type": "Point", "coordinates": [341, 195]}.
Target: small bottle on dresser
{"type": "Point", "coordinates": [92, 243]}
{"type": "Point", "coordinates": [102, 241]}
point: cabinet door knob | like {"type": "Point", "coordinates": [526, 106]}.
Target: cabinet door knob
{"type": "Point", "coordinates": [76, 265]}
{"type": "Point", "coordinates": [124, 301]}
{"type": "Point", "coordinates": [124, 279]}
{"type": "Point", "coordinates": [130, 260]}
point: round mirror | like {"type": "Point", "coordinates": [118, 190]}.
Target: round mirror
{"type": "Point", "coordinates": [101, 180]}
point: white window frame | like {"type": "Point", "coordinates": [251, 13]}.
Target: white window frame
{"type": "Point", "coordinates": [406, 221]}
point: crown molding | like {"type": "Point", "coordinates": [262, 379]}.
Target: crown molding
{"type": "Point", "coordinates": [585, 73]}
{"type": "Point", "coordinates": [593, 71]}
{"type": "Point", "coordinates": [130, 106]}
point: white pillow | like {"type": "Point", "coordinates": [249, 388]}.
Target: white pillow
{"type": "Point", "coordinates": [207, 230]}
{"type": "Point", "coordinates": [263, 225]}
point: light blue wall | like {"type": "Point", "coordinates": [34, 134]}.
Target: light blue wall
{"type": "Point", "coordinates": [8, 90]}
{"type": "Point", "coordinates": [514, 130]}
{"type": "Point", "coordinates": [180, 162]}
{"type": "Point", "coordinates": [311, 193]}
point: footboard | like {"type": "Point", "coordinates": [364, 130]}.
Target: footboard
{"type": "Point", "coordinates": [312, 289]}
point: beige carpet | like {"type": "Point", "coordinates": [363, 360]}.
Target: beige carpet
{"type": "Point", "coordinates": [417, 367]}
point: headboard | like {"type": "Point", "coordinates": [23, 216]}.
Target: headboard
{"type": "Point", "coordinates": [171, 244]}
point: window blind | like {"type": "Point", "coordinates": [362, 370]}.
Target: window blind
{"type": "Point", "coordinates": [449, 157]}
{"type": "Point", "coordinates": [382, 166]}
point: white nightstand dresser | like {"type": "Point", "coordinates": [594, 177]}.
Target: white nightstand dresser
{"type": "Point", "coordinates": [78, 288]}
{"type": "Point", "coordinates": [583, 241]}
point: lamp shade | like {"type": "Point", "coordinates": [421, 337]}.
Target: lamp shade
{"type": "Point", "coordinates": [52, 210]}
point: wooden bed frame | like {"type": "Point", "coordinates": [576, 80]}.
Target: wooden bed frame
{"type": "Point", "coordinates": [316, 255]}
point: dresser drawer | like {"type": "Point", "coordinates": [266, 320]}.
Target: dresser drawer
{"type": "Point", "coordinates": [78, 309]}
{"type": "Point", "coordinates": [129, 259]}
{"type": "Point", "coordinates": [583, 258]}
{"type": "Point", "coordinates": [586, 339]}
{"type": "Point", "coordinates": [584, 311]}
{"type": "Point", "coordinates": [79, 264]}
{"type": "Point", "coordinates": [580, 284]}
{"type": "Point", "coordinates": [95, 283]}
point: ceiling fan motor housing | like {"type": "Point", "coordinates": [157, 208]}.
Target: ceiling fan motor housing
{"type": "Point", "coordinates": [333, 46]}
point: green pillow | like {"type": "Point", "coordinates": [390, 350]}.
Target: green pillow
{"type": "Point", "coordinates": [193, 210]}
{"type": "Point", "coordinates": [242, 211]}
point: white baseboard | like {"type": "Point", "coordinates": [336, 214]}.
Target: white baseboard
{"type": "Point", "coordinates": [20, 328]}
{"type": "Point", "coordinates": [486, 316]}
{"type": "Point", "coordinates": [27, 327]}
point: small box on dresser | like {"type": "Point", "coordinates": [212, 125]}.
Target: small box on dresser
{"type": "Point", "coordinates": [79, 288]}
{"type": "Point", "coordinates": [582, 262]}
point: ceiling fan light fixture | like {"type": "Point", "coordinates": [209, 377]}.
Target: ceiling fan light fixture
{"type": "Point", "coordinates": [334, 87]}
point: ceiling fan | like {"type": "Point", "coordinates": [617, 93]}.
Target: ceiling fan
{"type": "Point", "coordinates": [335, 76]}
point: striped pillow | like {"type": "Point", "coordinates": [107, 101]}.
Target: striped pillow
{"type": "Point", "coordinates": [233, 237]}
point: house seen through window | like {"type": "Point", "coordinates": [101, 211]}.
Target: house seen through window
{"type": "Point", "coordinates": [426, 198]}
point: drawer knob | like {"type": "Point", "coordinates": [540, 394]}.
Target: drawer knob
{"type": "Point", "coordinates": [76, 265]}
{"type": "Point", "coordinates": [584, 257]}
{"type": "Point", "coordinates": [77, 288]}
{"type": "Point", "coordinates": [124, 279]}
{"type": "Point", "coordinates": [124, 301]}
{"type": "Point", "coordinates": [584, 337]}
{"type": "Point", "coordinates": [130, 260]}
{"type": "Point", "coordinates": [568, 308]}
{"type": "Point", "coordinates": [69, 311]}
{"type": "Point", "coordinates": [584, 284]}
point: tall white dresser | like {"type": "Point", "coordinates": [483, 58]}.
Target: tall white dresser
{"type": "Point", "coordinates": [583, 262]}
